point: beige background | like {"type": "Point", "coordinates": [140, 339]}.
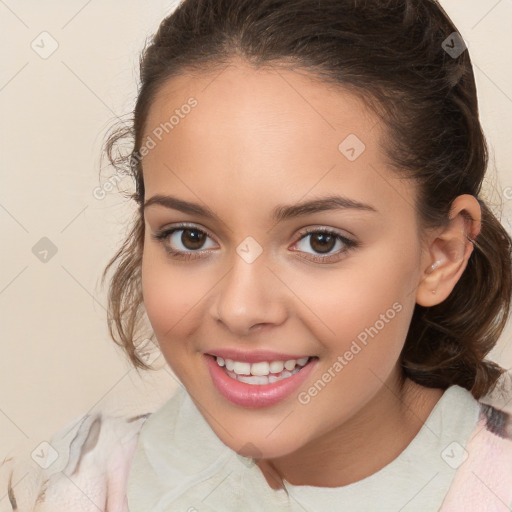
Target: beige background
{"type": "Point", "coordinates": [57, 360]}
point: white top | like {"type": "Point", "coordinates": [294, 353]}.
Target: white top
{"type": "Point", "coordinates": [181, 464]}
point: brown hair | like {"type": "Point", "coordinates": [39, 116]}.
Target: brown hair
{"type": "Point", "coordinates": [392, 53]}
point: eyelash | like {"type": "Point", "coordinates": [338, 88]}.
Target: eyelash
{"type": "Point", "coordinates": [162, 236]}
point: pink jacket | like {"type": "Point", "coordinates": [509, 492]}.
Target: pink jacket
{"type": "Point", "coordinates": [484, 481]}
{"type": "Point", "coordinates": [96, 454]}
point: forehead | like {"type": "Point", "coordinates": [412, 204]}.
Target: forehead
{"type": "Point", "coordinates": [265, 102]}
{"type": "Point", "coordinates": [250, 130]}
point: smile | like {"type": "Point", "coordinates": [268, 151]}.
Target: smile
{"type": "Point", "coordinates": [271, 382]}
{"type": "Point", "coordinates": [263, 372]}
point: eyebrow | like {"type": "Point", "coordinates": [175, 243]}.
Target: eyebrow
{"type": "Point", "coordinates": [280, 213]}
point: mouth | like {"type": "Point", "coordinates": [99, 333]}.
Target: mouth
{"type": "Point", "coordinates": [261, 383]}
{"type": "Point", "coordinates": [262, 372]}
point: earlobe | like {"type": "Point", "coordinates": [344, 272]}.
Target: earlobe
{"type": "Point", "coordinates": [449, 252]}
{"type": "Point", "coordinates": [431, 269]}
{"type": "Point", "coordinates": [450, 259]}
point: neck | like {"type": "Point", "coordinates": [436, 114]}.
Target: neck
{"type": "Point", "coordinates": [361, 446]}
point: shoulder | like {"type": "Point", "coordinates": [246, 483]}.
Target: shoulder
{"type": "Point", "coordinates": [483, 480]}
{"type": "Point", "coordinates": [84, 467]}
{"type": "Point", "coordinates": [496, 421]}
{"type": "Point", "coordinates": [495, 407]}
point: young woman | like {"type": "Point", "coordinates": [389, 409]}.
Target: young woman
{"type": "Point", "coordinates": [317, 267]}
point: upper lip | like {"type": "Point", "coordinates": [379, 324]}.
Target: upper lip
{"type": "Point", "coordinates": [253, 356]}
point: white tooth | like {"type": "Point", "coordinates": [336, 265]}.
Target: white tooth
{"type": "Point", "coordinates": [261, 368]}
{"type": "Point", "coordinates": [258, 380]}
{"type": "Point", "coordinates": [242, 368]}
{"type": "Point", "coordinates": [262, 379]}
{"type": "Point", "coordinates": [290, 365]}
{"type": "Point", "coordinates": [275, 378]}
{"type": "Point", "coordinates": [276, 366]}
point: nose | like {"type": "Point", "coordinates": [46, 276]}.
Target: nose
{"type": "Point", "coordinates": [249, 298]}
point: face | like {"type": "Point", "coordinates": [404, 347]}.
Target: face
{"type": "Point", "coordinates": [245, 144]}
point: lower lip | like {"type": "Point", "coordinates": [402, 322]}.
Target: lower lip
{"type": "Point", "coordinates": [253, 395]}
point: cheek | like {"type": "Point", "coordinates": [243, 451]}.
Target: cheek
{"type": "Point", "coordinates": [368, 301]}
{"type": "Point", "coordinates": [168, 294]}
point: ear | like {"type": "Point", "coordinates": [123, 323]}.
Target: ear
{"type": "Point", "coordinates": [446, 256]}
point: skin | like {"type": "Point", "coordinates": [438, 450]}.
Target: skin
{"type": "Point", "coordinates": [260, 138]}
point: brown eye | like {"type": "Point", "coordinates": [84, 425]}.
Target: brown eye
{"type": "Point", "coordinates": [192, 239]}
{"type": "Point", "coordinates": [322, 242]}
{"type": "Point", "coordinates": [183, 241]}
{"type": "Point", "coordinates": [188, 242]}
